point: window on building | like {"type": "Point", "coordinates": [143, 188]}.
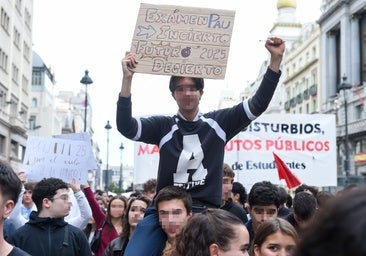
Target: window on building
{"type": "Point", "coordinates": [16, 38]}
{"type": "Point", "coordinates": [2, 144]}
{"type": "Point", "coordinates": [27, 18]}
{"type": "Point", "coordinates": [3, 61]}
{"type": "Point", "coordinates": [18, 6]}
{"type": "Point", "coordinates": [314, 107]}
{"type": "Point", "coordinates": [26, 51]}
{"type": "Point", "coordinates": [25, 84]}
{"type": "Point", "coordinates": [34, 102]}
{"type": "Point", "coordinates": [37, 77]}
{"type": "Point", "coordinates": [15, 74]}
{"type": "Point", "coordinates": [360, 111]}
{"type": "Point", "coordinates": [5, 20]}
{"type": "Point", "coordinates": [32, 122]}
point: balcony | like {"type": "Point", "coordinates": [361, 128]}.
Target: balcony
{"type": "Point", "coordinates": [299, 98]}
{"type": "Point", "coordinates": [293, 102]}
{"type": "Point", "coordinates": [306, 94]}
{"type": "Point", "coordinates": [287, 105]}
{"type": "Point", "coordinates": [313, 90]}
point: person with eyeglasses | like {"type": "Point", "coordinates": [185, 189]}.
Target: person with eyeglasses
{"type": "Point", "coordinates": [47, 233]}
{"type": "Point", "coordinates": [191, 144]}
{"type": "Point", "coordinates": [263, 203]}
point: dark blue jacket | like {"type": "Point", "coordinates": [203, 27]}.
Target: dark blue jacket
{"type": "Point", "coordinates": [50, 236]}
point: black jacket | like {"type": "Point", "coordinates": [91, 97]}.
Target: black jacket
{"type": "Point", "coordinates": [49, 236]}
{"type": "Point", "coordinates": [235, 209]}
{"type": "Point", "coordinates": [116, 247]}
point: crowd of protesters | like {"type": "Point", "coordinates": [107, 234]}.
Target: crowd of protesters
{"type": "Point", "coordinates": [316, 224]}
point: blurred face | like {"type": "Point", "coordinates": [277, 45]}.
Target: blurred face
{"type": "Point", "coordinates": [187, 96]}
{"type": "Point", "coordinates": [105, 198]}
{"type": "Point", "coordinates": [227, 186]}
{"type": "Point", "coordinates": [260, 213]}
{"type": "Point", "coordinates": [101, 203]}
{"type": "Point", "coordinates": [150, 194]}
{"type": "Point", "coordinates": [27, 197]}
{"type": "Point", "coordinates": [172, 216]}
{"type": "Point", "coordinates": [117, 208]}
{"type": "Point", "coordinates": [60, 204]}
{"type": "Point", "coordinates": [238, 246]}
{"type": "Point", "coordinates": [136, 213]}
{"type": "Point", "coordinates": [277, 244]}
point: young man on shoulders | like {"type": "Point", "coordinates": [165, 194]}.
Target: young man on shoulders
{"type": "Point", "coordinates": [10, 187]}
{"type": "Point", "coordinates": [46, 232]}
{"type": "Point", "coordinates": [187, 139]}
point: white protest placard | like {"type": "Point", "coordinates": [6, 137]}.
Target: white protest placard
{"type": "Point", "coordinates": [59, 158]}
{"type": "Point", "coordinates": [183, 41]}
{"type": "Point", "coordinates": [306, 143]}
{"type": "Point", "coordinates": [84, 136]}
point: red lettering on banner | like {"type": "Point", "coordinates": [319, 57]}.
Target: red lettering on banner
{"type": "Point", "coordinates": [238, 144]}
{"type": "Point", "coordinates": [147, 149]}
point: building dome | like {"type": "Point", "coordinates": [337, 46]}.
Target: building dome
{"type": "Point", "coordinates": [286, 3]}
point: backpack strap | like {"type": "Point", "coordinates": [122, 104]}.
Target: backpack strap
{"type": "Point", "coordinates": [65, 243]}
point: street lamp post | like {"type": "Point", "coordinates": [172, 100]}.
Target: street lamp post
{"type": "Point", "coordinates": [107, 127]}
{"type": "Point", "coordinates": [345, 86]}
{"type": "Point", "coordinates": [86, 80]}
{"type": "Point", "coordinates": [120, 183]}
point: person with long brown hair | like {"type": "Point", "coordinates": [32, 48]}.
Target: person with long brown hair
{"type": "Point", "coordinates": [135, 212]}
{"type": "Point", "coordinates": [110, 223]}
{"type": "Point", "coordinates": [275, 236]}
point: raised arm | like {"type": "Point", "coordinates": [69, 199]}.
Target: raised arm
{"type": "Point", "coordinates": [128, 63]}
{"type": "Point", "coordinates": [261, 99]}
{"type": "Point", "coordinates": [276, 47]}
{"type": "Point", "coordinates": [126, 124]}
{"type": "Point", "coordinates": [83, 205]}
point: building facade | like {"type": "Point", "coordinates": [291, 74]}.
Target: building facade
{"type": "Point", "coordinates": [15, 78]}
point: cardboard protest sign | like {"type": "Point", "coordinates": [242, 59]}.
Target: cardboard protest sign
{"type": "Point", "coordinates": [183, 41]}
{"type": "Point", "coordinates": [58, 158]}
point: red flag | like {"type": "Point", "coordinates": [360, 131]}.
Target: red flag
{"type": "Point", "coordinates": [285, 173]}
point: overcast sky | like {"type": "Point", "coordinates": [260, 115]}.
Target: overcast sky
{"type": "Point", "coordinates": [72, 36]}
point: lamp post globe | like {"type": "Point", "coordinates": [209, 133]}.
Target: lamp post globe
{"type": "Point", "coordinates": [86, 80]}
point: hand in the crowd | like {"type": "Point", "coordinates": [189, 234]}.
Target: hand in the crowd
{"type": "Point", "coordinates": [276, 47]}
{"type": "Point", "coordinates": [128, 63]}
{"type": "Point", "coordinates": [22, 177]}
{"type": "Point", "coordinates": [74, 186]}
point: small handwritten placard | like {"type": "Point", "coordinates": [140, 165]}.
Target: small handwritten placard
{"type": "Point", "coordinates": [59, 158]}
{"type": "Point", "coordinates": [183, 41]}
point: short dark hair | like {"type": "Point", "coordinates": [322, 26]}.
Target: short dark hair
{"type": "Point", "coordinates": [303, 187]}
{"type": "Point", "coordinates": [238, 188]}
{"type": "Point", "coordinates": [199, 82]}
{"type": "Point", "coordinates": [304, 205]}
{"type": "Point", "coordinates": [174, 192]}
{"type": "Point", "coordinates": [47, 188]}
{"type": "Point", "coordinates": [264, 193]}
{"type": "Point", "coordinates": [29, 186]}
{"type": "Point", "coordinates": [10, 184]}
